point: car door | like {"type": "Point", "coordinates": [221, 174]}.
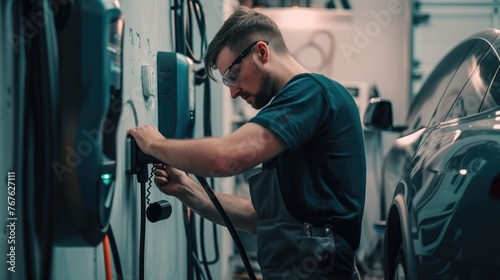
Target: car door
{"type": "Point", "coordinates": [443, 170]}
{"type": "Point", "coordinates": [422, 109]}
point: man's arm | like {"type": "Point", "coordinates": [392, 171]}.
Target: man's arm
{"type": "Point", "coordinates": [240, 211]}
{"type": "Point", "coordinates": [246, 147]}
{"type": "Point", "coordinates": [175, 182]}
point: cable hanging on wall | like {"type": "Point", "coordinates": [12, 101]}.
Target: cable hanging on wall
{"type": "Point", "coordinates": [185, 14]}
{"type": "Point", "coordinates": [183, 27]}
{"type": "Point", "coordinates": [184, 44]}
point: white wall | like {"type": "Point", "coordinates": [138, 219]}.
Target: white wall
{"type": "Point", "coordinates": [449, 23]}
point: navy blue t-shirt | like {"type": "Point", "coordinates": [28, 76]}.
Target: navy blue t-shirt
{"type": "Point", "coordinates": [322, 174]}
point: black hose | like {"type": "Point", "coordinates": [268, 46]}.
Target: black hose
{"type": "Point", "coordinates": [198, 268]}
{"type": "Point", "coordinates": [216, 239]}
{"type": "Point", "coordinates": [189, 248]}
{"type": "Point", "coordinates": [203, 251]}
{"type": "Point", "coordinates": [180, 43]}
{"type": "Point", "coordinates": [142, 231]}
{"type": "Point", "coordinates": [207, 127]}
{"type": "Point", "coordinates": [195, 7]}
{"type": "Point", "coordinates": [194, 247]}
{"type": "Point", "coordinates": [184, 33]}
{"type": "Point", "coordinates": [230, 227]}
{"type": "Point", "coordinates": [207, 118]}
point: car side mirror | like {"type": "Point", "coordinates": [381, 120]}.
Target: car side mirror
{"type": "Point", "coordinates": [378, 116]}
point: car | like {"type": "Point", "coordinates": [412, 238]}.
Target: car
{"type": "Point", "coordinates": [441, 177]}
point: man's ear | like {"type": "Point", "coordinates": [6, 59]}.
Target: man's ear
{"type": "Point", "coordinates": [263, 50]}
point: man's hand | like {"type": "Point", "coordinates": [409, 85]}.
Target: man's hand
{"type": "Point", "coordinates": [169, 180]}
{"type": "Point", "coordinates": [144, 136]}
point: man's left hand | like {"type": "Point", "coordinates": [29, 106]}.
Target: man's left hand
{"type": "Point", "coordinates": [145, 136]}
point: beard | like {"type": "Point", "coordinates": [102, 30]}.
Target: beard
{"type": "Point", "coordinates": [266, 91]}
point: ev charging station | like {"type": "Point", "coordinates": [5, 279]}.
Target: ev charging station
{"type": "Point", "coordinates": [90, 55]}
{"type": "Point", "coordinates": [176, 96]}
{"type": "Point", "coordinates": [66, 88]}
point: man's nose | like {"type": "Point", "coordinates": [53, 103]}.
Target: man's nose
{"type": "Point", "coordinates": [235, 92]}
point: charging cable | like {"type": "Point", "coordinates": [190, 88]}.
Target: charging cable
{"type": "Point", "coordinates": [229, 226]}
{"type": "Point", "coordinates": [139, 165]}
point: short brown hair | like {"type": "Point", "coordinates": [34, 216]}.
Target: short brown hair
{"type": "Point", "coordinates": [242, 28]}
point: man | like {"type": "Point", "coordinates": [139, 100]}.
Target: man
{"type": "Point", "coordinates": [307, 203]}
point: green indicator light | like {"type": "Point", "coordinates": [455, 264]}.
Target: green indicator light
{"type": "Point", "coordinates": [106, 178]}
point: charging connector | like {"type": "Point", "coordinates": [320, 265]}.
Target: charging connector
{"type": "Point", "coordinates": [137, 163]}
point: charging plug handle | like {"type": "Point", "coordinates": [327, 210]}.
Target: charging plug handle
{"type": "Point", "coordinates": [139, 160]}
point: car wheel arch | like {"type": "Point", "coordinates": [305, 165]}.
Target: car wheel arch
{"type": "Point", "coordinates": [397, 233]}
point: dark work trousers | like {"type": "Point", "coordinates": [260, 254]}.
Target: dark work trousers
{"type": "Point", "coordinates": [288, 249]}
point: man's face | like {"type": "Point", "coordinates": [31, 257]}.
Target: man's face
{"type": "Point", "coordinates": [244, 77]}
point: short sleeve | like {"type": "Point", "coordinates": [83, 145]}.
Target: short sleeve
{"type": "Point", "coordinates": [296, 113]}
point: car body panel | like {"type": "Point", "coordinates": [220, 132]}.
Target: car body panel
{"type": "Point", "coordinates": [437, 177]}
{"type": "Point", "coordinates": [453, 217]}
{"type": "Point", "coordinates": [423, 113]}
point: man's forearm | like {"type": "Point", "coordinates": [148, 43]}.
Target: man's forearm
{"type": "Point", "coordinates": [239, 210]}
{"type": "Point", "coordinates": [203, 157]}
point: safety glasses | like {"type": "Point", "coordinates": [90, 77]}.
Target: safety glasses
{"type": "Point", "coordinates": [231, 76]}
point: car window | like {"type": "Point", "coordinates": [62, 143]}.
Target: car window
{"type": "Point", "coordinates": [472, 95]}
{"type": "Point", "coordinates": [459, 81]}
{"type": "Point", "coordinates": [424, 104]}
{"type": "Point", "coordinates": [492, 99]}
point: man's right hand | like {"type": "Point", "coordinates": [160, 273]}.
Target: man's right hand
{"type": "Point", "coordinates": [170, 180]}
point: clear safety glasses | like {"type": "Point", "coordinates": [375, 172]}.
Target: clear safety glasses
{"type": "Point", "coordinates": [231, 76]}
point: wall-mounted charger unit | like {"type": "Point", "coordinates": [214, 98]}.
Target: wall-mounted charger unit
{"type": "Point", "coordinates": [175, 95]}
{"type": "Point", "coordinates": [90, 55]}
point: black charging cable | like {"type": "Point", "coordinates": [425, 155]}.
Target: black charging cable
{"type": "Point", "coordinates": [195, 7]}
{"type": "Point", "coordinates": [202, 78]}
{"type": "Point", "coordinates": [142, 241]}
{"type": "Point", "coordinates": [159, 210]}
{"type": "Point", "coordinates": [230, 227]}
